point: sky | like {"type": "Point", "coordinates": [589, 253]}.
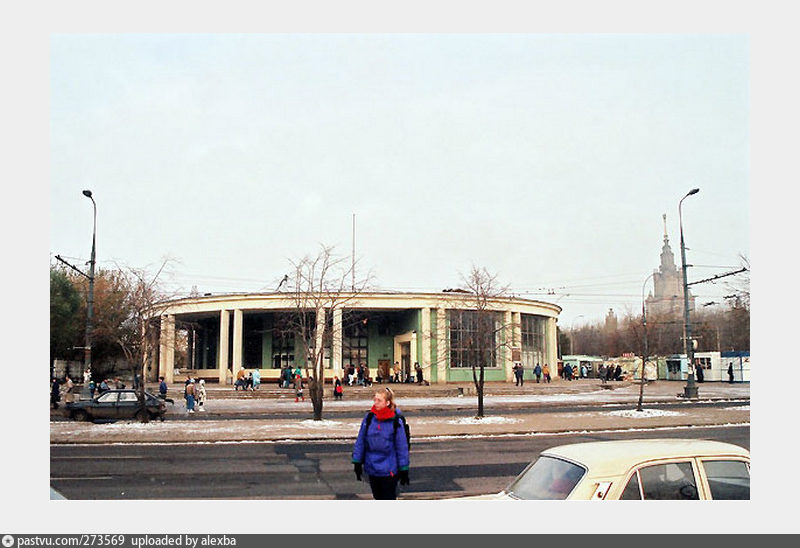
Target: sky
{"type": "Point", "coordinates": [548, 159]}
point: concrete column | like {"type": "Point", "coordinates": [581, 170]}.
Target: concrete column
{"type": "Point", "coordinates": [336, 343]}
{"type": "Point", "coordinates": [166, 355]}
{"type": "Point", "coordinates": [516, 342]}
{"type": "Point", "coordinates": [441, 346]}
{"type": "Point", "coordinates": [238, 345]}
{"type": "Point", "coordinates": [222, 357]}
{"type": "Point", "coordinates": [508, 337]}
{"type": "Point", "coordinates": [425, 330]}
{"type": "Point", "coordinates": [550, 341]}
{"type": "Point", "coordinates": [190, 358]}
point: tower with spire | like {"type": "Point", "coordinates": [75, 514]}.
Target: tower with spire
{"type": "Point", "coordinates": [667, 295]}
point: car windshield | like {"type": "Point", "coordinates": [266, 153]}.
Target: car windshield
{"type": "Point", "coordinates": [548, 478]}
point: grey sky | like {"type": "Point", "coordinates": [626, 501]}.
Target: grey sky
{"type": "Point", "coordinates": [548, 159]}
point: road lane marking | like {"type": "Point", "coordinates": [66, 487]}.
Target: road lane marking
{"type": "Point", "coordinates": [96, 457]}
{"type": "Point", "coordinates": [82, 478]}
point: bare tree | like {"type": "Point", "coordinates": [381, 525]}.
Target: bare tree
{"type": "Point", "coordinates": [319, 286]}
{"type": "Point", "coordinates": [145, 300]}
{"type": "Point", "coordinates": [478, 331]}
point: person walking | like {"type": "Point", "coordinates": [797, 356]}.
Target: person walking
{"type": "Point", "coordinates": [396, 377]}
{"type": "Point", "coordinates": [567, 372]}
{"type": "Point", "coordinates": [381, 449]}
{"type": "Point", "coordinates": [537, 371]}
{"type": "Point", "coordinates": [256, 379]}
{"type": "Point", "coordinates": [69, 397]}
{"type": "Point", "coordinates": [55, 393]}
{"type": "Point", "coordinates": [201, 395]}
{"type": "Point", "coordinates": [298, 388]}
{"type": "Point", "coordinates": [162, 390]}
{"type": "Point", "coordinates": [730, 372]}
{"type": "Point", "coordinates": [546, 373]}
{"type": "Point", "coordinates": [190, 394]}
{"type": "Point", "coordinates": [337, 389]}
{"type": "Point", "coordinates": [92, 388]}
{"type": "Point", "coordinates": [418, 373]}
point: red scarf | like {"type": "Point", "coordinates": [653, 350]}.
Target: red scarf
{"type": "Point", "coordinates": [384, 414]}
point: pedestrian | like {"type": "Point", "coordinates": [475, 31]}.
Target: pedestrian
{"type": "Point", "coordinates": [337, 389]}
{"type": "Point", "coordinates": [162, 390]}
{"type": "Point", "coordinates": [298, 388]}
{"type": "Point", "coordinates": [730, 372]}
{"type": "Point", "coordinates": [87, 375]}
{"type": "Point", "coordinates": [201, 395]}
{"type": "Point", "coordinates": [256, 379]}
{"type": "Point", "coordinates": [240, 380]}
{"type": "Point", "coordinates": [546, 373]}
{"type": "Point", "coordinates": [92, 388]}
{"type": "Point", "coordinates": [118, 384]}
{"type": "Point", "coordinates": [360, 375]}
{"type": "Point", "coordinates": [396, 377]}
{"type": "Point", "coordinates": [104, 387]}
{"type": "Point", "coordinates": [537, 371]}
{"type": "Point", "coordinates": [55, 393]}
{"type": "Point", "coordinates": [601, 373]}
{"type": "Point", "coordinates": [583, 371]}
{"type": "Point", "coordinates": [69, 397]}
{"type": "Point", "coordinates": [521, 373]}
{"type": "Point", "coordinates": [610, 372]}
{"type": "Point", "coordinates": [381, 449]}
{"type": "Point", "coordinates": [190, 394]}
{"type": "Point", "coordinates": [567, 372]}
{"type": "Point", "coordinates": [136, 381]}
{"type": "Point", "coordinates": [618, 373]}
{"type": "Point", "coordinates": [699, 369]}
{"type": "Point", "coordinates": [418, 373]}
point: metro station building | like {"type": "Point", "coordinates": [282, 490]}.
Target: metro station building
{"type": "Point", "coordinates": [217, 335]}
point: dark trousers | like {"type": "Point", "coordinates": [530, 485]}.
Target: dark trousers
{"type": "Point", "coordinates": [384, 487]}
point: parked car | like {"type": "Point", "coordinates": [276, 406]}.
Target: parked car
{"type": "Point", "coordinates": [662, 469]}
{"type": "Point", "coordinates": [116, 404]}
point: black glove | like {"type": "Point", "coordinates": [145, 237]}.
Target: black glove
{"type": "Point", "coordinates": [404, 477]}
{"type": "Point", "coordinates": [358, 469]}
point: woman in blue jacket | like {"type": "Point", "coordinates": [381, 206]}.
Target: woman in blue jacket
{"type": "Point", "coordinates": [381, 448]}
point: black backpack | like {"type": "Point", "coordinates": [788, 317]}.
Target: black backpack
{"type": "Point", "coordinates": [396, 421]}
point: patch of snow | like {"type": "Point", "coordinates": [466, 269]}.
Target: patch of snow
{"type": "Point", "coordinates": [644, 413]}
{"type": "Point", "coordinates": [737, 408]}
{"type": "Point", "coordinates": [484, 420]}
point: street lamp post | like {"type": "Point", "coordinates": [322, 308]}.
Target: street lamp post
{"type": "Point", "coordinates": [690, 390]}
{"type": "Point", "coordinates": [87, 358]}
{"type": "Point", "coordinates": [645, 350]}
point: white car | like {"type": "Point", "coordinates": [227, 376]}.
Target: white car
{"type": "Point", "coordinates": [661, 469]}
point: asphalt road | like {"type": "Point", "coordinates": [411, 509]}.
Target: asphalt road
{"type": "Point", "coordinates": [317, 470]}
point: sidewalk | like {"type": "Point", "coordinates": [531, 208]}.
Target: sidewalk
{"type": "Point", "coordinates": [607, 409]}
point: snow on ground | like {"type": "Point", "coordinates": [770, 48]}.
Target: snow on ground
{"type": "Point", "coordinates": [737, 408]}
{"type": "Point", "coordinates": [644, 413]}
{"type": "Point", "coordinates": [484, 420]}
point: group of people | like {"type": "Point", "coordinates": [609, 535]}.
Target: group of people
{"type": "Point", "coordinates": [288, 376]}
{"type": "Point", "coordinates": [247, 380]}
{"type": "Point", "coordinates": [609, 373]}
{"type": "Point", "coordinates": [194, 393]}
{"type": "Point", "coordinates": [358, 376]}
{"type": "Point", "coordinates": [538, 371]}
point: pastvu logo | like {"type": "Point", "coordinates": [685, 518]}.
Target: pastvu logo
{"type": "Point", "coordinates": [8, 541]}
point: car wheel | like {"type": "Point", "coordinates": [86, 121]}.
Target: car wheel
{"type": "Point", "coordinates": [142, 416]}
{"type": "Point", "coordinates": [80, 415]}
